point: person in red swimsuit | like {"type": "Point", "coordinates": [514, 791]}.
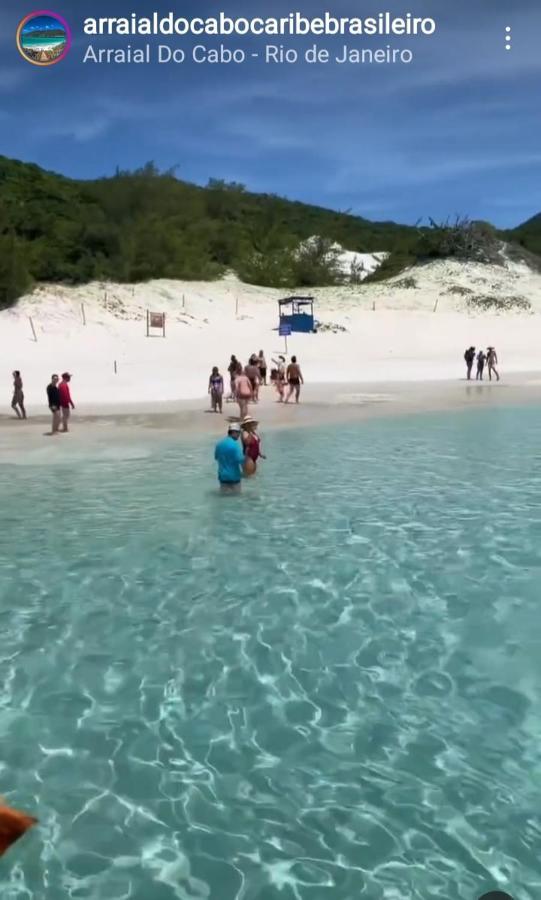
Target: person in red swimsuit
{"type": "Point", "coordinates": [252, 445]}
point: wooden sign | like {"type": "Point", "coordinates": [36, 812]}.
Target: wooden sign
{"type": "Point", "coordinates": [156, 321]}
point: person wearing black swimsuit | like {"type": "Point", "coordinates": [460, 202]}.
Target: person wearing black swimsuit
{"type": "Point", "coordinates": [294, 379]}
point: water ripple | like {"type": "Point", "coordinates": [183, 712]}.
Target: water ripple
{"type": "Point", "coordinates": [329, 688]}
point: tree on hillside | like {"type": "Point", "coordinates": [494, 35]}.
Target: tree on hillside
{"type": "Point", "coordinates": [461, 239]}
{"type": "Point", "coordinates": [316, 263]}
{"type": "Point", "coordinates": [15, 279]}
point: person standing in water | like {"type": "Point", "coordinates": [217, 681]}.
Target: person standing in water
{"type": "Point", "coordinates": [492, 362]}
{"type": "Point", "coordinates": [229, 455]}
{"type": "Point", "coordinates": [53, 399]}
{"type": "Point", "coordinates": [469, 357]}
{"type": "Point", "coordinates": [244, 393]}
{"type": "Point", "coordinates": [216, 390]}
{"type": "Point", "coordinates": [66, 403]}
{"type": "Point", "coordinates": [251, 443]}
{"type": "Point", "coordinates": [17, 403]}
{"type": "Point", "coordinates": [294, 379]}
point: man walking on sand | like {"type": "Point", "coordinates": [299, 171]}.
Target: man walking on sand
{"type": "Point", "coordinates": [229, 455]}
{"type": "Point", "coordinates": [469, 357]}
{"type": "Point", "coordinates": [262, 363]}
{"type": "Point", "coordinates": [481, 360]}
{"type": "Point", "coordinates": [53, 399]}
{"type": "Point", "coordinates": [66, 403]}
{"type": "Point", "coordinates": [294, 379]}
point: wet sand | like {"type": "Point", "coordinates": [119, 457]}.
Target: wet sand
{"type": "Point", "coordinates": [321, 405]}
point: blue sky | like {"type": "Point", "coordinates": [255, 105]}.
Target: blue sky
{"type": "Point", "coordinates": [41, 23]}
{"type": "Point", "coordinates": [458, 131]}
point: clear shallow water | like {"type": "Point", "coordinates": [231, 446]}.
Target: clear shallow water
{"type": "Point", "coordinates": [329, 687]}
{"type": "Point", "coordinates": [42, 41]}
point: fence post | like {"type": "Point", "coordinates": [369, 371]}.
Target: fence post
{"type": "Point", "coordinates": [237, 306]}
{"type": "Point", "coordinates": [83, 313]}
{"type": "Point", "coordinates": [33, 329]}
{"type": "Point", "coordinates": [115, 368]}
{"type": "Point", "coordinates": [373, 305]}
{"type": "Point", "coordinates": [436, 304]}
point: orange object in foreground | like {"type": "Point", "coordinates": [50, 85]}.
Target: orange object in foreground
{"type": "Point", "coordinates": [13, 824]}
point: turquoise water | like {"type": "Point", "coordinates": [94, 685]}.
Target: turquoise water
{"type": "Point", "coordinates": [44, 41]}
{"type": "Point", "coordinates": [328, 687]}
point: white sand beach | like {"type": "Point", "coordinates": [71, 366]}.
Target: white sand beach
{"type": "Point", "coordinates": [413, 328]}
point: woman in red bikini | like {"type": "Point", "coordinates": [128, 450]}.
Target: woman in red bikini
{"type": "Point", "coordinates": [252, 445]}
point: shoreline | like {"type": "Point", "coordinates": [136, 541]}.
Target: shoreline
{"type": "Point", "coordinates": [411, 329]}
{"type": "Point", "coordinates": [321, 405]}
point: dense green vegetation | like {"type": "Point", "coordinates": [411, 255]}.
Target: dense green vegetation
{"type": "Point", "coordinates": [460, 239]}
{"type": "Point", "coordinates": [145, 224]}
{"type": "Point", "coordinates": [528, 235]}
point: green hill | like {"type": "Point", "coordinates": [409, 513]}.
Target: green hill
{"type": "Point", "coordinates": [528, 235]}
{"type": "Point", "coordinates": [146, 224]}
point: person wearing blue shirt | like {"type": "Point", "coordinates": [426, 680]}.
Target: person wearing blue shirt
{"type": "Point", "coordinates": [230, 458]}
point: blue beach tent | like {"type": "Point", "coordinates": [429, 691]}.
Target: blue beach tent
{"type": "Point", "coordinates": [298, 313]}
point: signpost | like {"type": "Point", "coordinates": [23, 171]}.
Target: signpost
{"type": "Point", "coordinates": [155, 320]}
{"type": "Point", "coordinates": [284, 331]}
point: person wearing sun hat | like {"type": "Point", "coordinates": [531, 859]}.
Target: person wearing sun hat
{"type": "Point", "coordinates": [229, 455]}
{"type": "Point", "coordinates": [252, 445]}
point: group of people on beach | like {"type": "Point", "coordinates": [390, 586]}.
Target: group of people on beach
{"type": "Point", "coordinates": [489, 359]}
{"type": "Point", "coordinates": [58, 399]}
{"type": "Point", "coordinates": [246, 381]}
{"type": "Point", "coordinates": [290, 376]}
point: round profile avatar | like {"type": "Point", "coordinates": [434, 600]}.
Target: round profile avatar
{"type": "Point", "coordinates": [43, 38]}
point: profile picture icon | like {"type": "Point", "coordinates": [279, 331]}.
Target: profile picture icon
{"type": "Point", "coordinates": [43, 38]}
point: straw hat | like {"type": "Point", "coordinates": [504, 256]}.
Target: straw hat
{"type": "Point", "coordinates": [249, 420]}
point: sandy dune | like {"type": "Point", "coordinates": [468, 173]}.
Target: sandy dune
{"type": "Point", "coordinates": [396, 331]}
